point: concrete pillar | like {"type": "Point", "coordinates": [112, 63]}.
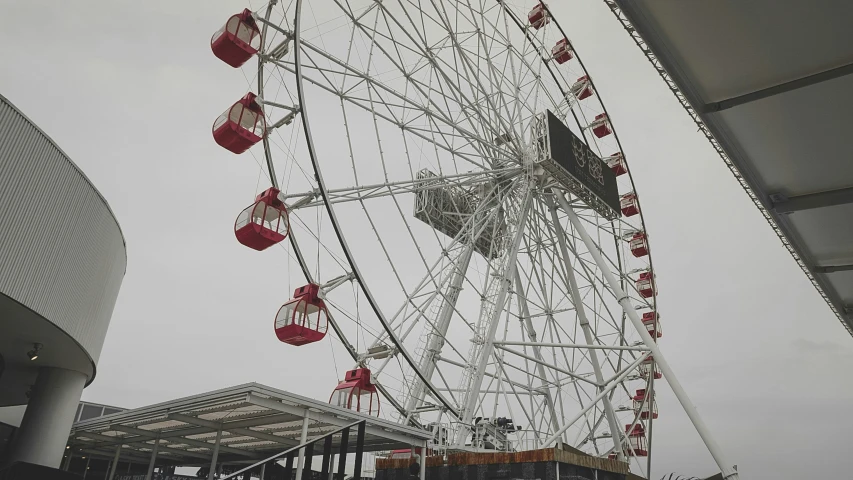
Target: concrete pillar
{"type": "Point", "coordinates": [44, 430]}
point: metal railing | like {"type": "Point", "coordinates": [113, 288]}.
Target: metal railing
{"type": "Point", "coordinates": [308, 455]}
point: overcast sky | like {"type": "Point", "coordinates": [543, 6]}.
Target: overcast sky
{"type": "Point", "coordinates": [129, 90]}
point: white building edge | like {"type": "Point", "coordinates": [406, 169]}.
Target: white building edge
{"type": "Point", "coordinates": [62, 260]}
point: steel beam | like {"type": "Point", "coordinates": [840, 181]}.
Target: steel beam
{"type": "Point", "coordinates": [100, 453]}
{"type": "Point", "coordinates": [728, 470]}
{"type": "Point", "coordinates": [490, 321]}
{"type": "Point", "coordinates": [577, 301]}
{"type": "Point", "coordinates": [188, 441]}
{"type": "Point", "coordinates": [830, 198]}
{"type": "Point", "coordinates": [105, 441]}
{"type": "Point", "coordinates": [335, 420]}
{"type": "Point", "coordinates": [303, 439]}
{"type": "Point", "coordinates": [153, 462]}
{"type": "Point", "coordinates": [231, 427]}
{"type": "Point", "coordinates": [777, 89]}
{"type": "Point", "coordinates": [215, 456]}
{"type": "Point", "coordinates": [114, 464]}
{"type": "Point", "coordinates": [833, 268]}
{"type": "Point", "coordinates": [573, 345]}
{"type": "Point", "coordinates": [226, 427]}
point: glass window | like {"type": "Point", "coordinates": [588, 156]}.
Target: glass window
{"type": "Point", "coordinates": [91, 411]}
{"type": "Point", "coordinates": [340, 398]}
{"type": "Point", "coordinates": [245, 33]}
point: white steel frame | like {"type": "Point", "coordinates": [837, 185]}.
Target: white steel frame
{"type": "Point", "coordinates": [456, 87]}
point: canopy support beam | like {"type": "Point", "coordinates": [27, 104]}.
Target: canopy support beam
{"type": "Point", "coordinates": [777, 89]}
{"type": "Point", "coordinates": [728, 470]}
{"type": "Point", "coordinates": [798, 203]}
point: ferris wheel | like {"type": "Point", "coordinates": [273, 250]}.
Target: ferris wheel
{"type": "Point", "coordinates": [449, 183]}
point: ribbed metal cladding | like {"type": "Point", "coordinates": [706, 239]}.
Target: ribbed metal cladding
{"type": "Point", "coordinates": [62, 253]}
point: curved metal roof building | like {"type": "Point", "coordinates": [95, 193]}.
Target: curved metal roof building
{"type": "Point", "coordinates": [62, 260]}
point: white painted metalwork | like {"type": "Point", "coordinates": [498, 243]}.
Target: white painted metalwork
{"type": "Point", "coordinates": [727, 469]}
{"type": "Point", "coordinates": [413, 168]}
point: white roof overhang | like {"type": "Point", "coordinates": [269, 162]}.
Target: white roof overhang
{"type": "Point", "coordinates": [770, 84]}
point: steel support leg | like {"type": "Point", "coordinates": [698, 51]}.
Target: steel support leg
{"type": "Point", "coordinates": [587, 330]}
{"type": "Point", "coordinates": [115, 463]}
{"type": "Point", "coordinates": [302, 439]}
{"type": "Point", "coordinates": [727, 469]}
{"type": "Point", "coordinates": [215, 457]}
{"type": "Point", "coordinates": [153, 461]}
{"type": "Point", "coordinates": [606, 391]}
{"type": "Point", "coordinates": [422, 472]}
{"type": "Point", "coordinates": [485, 352]}
{"type": "Point", "coordinates": [537, 352]}
{"type": "Point", "coordinates": [435, 339]}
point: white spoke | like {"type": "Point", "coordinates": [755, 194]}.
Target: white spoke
{"type": "Point", "coordinates": [405, 139]}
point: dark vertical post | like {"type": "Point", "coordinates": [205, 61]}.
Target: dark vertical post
{"type": "Point", "coordinates": [327, 456]}
{"type": "Point", "coordinates": [288, 466]}
{"type": "Point", "coordinates": [342, 454]}
{"type": "Point", "coordinates": [309, 456]}
{"type": "Point", "coordinates": [359, 450]}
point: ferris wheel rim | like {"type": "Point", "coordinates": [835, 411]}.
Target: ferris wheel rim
{"type": "Point", "coordinates": [333, 218]}
{"type": "Point", "coordinates": [332, 214]}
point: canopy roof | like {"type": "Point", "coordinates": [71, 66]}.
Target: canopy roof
{"type": "Point", "coordinates": [256, 421]}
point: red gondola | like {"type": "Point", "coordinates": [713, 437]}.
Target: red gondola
{"type": "Point", "coordinates": [639, 245]}
{"type": "Point", "coordinates": [562, 52]}
{"type": "Point", "coordinates": [652, 322]}
{"type": "Point", "coordinates": [646, 284]}
{"type": "Point", "coordinates": [241, 126]}
{"type": "Point", "coordinates": [637, 440]}
{"type": "Point", "coordinates": [647, 411]}
{"type": "Point", "coordinates": [237, 40]}
{"type": "Point", "coordinates": [647, 367]}
{"type": "Point", "coordinates": [601, 125]}
{"type": "Point", "coordinates": [616, 162]}
{"type": "Point", "coordinates": [264, 223]}
{"type": "Point", "coordinates": [538, 17]}
{"type": "Point", "coordinates": [304, 319]}
{"type": "Point", "coordinates": [356, 392]}
{"type": "Point", "coordinates": [582, 88]}
{"type": "Point", "coordinates": [629, 205]}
